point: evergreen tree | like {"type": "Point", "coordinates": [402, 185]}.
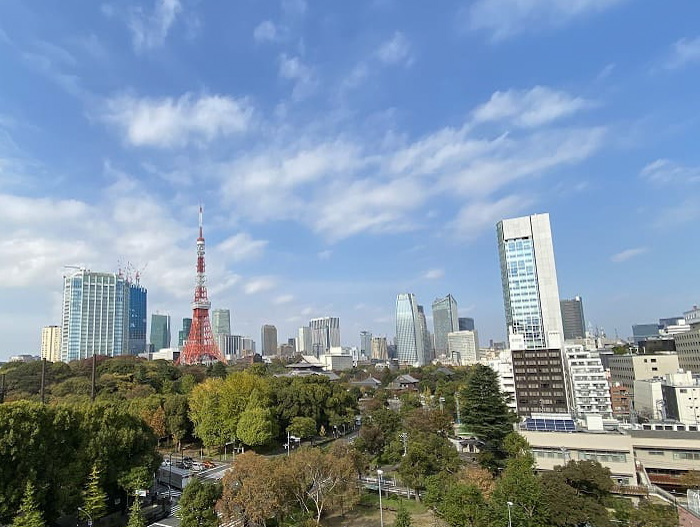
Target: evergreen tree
{"type": "Point", "coordinates": [94, 498]}
{"type": "Point", "coordinates": [197, 504]}
{"type": "Point", "coordinates": [403, 517]}
{"type": "Point", "coordinates": [29, 513]}
{"type": "Point", "coordinates": [485, 413]}
{"type": "Point", "coordinates": [135, 516]}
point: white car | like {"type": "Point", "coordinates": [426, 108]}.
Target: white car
{"type": "Point", "coordinates": [197, 466]}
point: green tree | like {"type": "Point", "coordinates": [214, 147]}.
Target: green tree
{"type": "Point", "coordinates": [197, 504]}
{"type": "Point", "coordinates": [303, 427]}
{"type": "Point", "coordinates": [136, 519]}
{"type": "Point", "coordinates": [135, 479]}
{"type": "Point", "coordinates": [403, 517]}
{"type": "Point", "coordinates": [520, 485]}
{"type": "Point", "coordinates": [94, 498]}
{"type": "Point", "coordinates": [427, 455]}
{"type": "Point", "coordinates": [177, 423]}
{"type": "Point", "coordinates": [485, 412]}
{"type": "Point", "coordinates": [255, 426]}
{"type": "Point", "coordinates": [464, 506]}
{"type": "Point", "coordinates": [29, 514]}
{"type": "Point", "coordinates": [653, 515]}
{"type": "Point", "coordinates": [588, 478]}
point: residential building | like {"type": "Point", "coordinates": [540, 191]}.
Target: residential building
{"type": "Point", "coordinates": [688, 343]}
{"type": "Point", "coordinates": [626, 369]}
{"type": "Point", "coordinates": [621, 400]}
{"type": "Point", "coordinates": [184, 333]}
{"type": "Point", "coordinates": [268, 339]}
{"type": "Point", "coordinates": [675, 396]}
{"type": "Point", "coordinates": [590, 390]}
{"type": "Point", "coordinates": [540, 383]}
{"type": "Point", "coordinates": [95, 315]}
{"type": "Point", "coordinates": [466, 324]}
{"type": "Point", "coordinates": [572, 318]}
{"type": "Point", "coordinates": [366, 343]}
{"type": "Point", "coordinates": [51, 343]}
{"type": "Point", "coordinates": [463, 347]}
{"type": "Point", "coordinates": [529, 280]}
{"type": "Point", "coordinates": [304, 341]}
{"type": "Point", "coordinates": [221, 322]}
{"type": "Point", "coordinates": [503, 366]}
{"type": "Point", "coordinates": [427, 338]}
{"type": "Point", "coordinates": [325, 334]}
{"type": "Point", "coordinates": [138, 305]}
{"type": "Point", "coordinates": [160, 331]}
{"type": "Point", "coordinates": [445, 320]}
{"type": "Point", "coordinates": [410, 346]}
{"type": "Point", "coordinates": [379, 348]}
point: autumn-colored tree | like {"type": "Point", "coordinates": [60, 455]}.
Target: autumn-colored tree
{"type": "Point", "coordinates": [479, 477]}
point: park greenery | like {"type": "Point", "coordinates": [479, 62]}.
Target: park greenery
{"type": "Point", "coordinates": [73, 451]}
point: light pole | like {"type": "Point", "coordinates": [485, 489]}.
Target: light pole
{"type": "Point", "coordinates": [441, 400]}
{"type": "Point", "coordinates": [510, 504]}
{"type": "Point", "coordinates": [170, 474]}
{"type": "Point", "coordinates": [381, 511]}
{"type": "Point", "coordinates": [86, 513]}
{"type": "Point", "coordinates": [404, 439]}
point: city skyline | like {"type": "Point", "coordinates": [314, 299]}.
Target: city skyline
{"type": "Point", "coordinates": [408, 139]}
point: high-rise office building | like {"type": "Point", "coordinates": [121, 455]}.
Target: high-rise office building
{"type": "Point", "coordinates": [95, 315]}
{"type": "Point", "coordinates": [268, 338]}
{"type": "Point", "coordinates": [366, 343]}
{"type": "Point", "coordinates": [160, 331]}
{"type": "Point", "coordinates": [428, 354]}
{"type": "Point", "coordinates": [325, 334]}
{"type": "Point", "coordinates": [529, 279]}
{"type": "Point", "coordinates": [463, 347]}
{"type": "Point", "coordinates": [410, 330]}
{"type": "Point", "coordinates": [466, 324]}
{"type": "Point", "coordinates": [572, 318]}
{"type": "Point", "coordinates": [184, 333]}
{"type": "Point", "coordinates": [379, 348]}
{"type": "Point", "coordinates": [221, 322]}
{"type": "Point", "coordinates": [304, 344]}
{"type": "Point", "coordinates": [51, 343]}
{"type": "Point", "coordinates": [445, 320]}
{"type": "Point", "coordinates": [137, 318]}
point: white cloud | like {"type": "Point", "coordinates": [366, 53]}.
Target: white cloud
{"type": "Point", "coordinates": [240, 247]}
{"type": "Point", "coordinates": [168, 122]}
{"type": "Point", "coordinates": [293, 69]}
{"type": "Point", "coordinates": [259, 284]}
{"type": "Point", "coordinates": [434, 274]}
{"type": "Point", "coordinates": [149, 30]}
{"type": "Point", "coordinates": [283, 299]}
{"type": "Point", "coordinates": [685, 51]}
{"type": "Point", "coordinates": [506, 18]}
{"type": "Point", "coordinates": [535, 107]}
{"type": "Point", "coordinates": [266, 31]}
{"type": "Point", "coordinates": [664, 171]}
{"type": "Point", "coordinates": [397, 50]}
{"type": "Point", "coordinates": [324, 255]}
{"type": "Point", "coordinates": [473, 219]}
{"type": "Point", "coordinates": [625, 255]}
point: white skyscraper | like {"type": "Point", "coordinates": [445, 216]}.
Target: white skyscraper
{"type": "Point", "coordinates": [463, 347]}
{"type": "Point", "coordinates": [95, 315]}
{"type": "Point", "coordinates": [304, 340]}
{"type": "Point", "coordinates": [410, 331]}
{"type": "Point", "coordinates": [325, 334]}
{"type": "Point", "coordinates": [51, 343]}
{"type": "Point", "coordinates": [529, 279]}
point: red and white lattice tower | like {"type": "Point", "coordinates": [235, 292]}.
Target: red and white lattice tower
{"type": "Point", "coordinates": [200, 347]}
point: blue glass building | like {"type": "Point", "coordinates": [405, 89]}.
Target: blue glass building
{"type": "Point", "coordinates": [137, 318]}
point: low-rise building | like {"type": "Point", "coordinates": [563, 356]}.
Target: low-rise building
{"type": "Point", "coordinates": [628, 368]}
{"type": "Point", "coordinates": [503, 366]}
{"type": "Point", "coordinates": [621, 400]}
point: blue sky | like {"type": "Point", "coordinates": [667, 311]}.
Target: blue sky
{"type": "Point", "coordinates": [346, 152]}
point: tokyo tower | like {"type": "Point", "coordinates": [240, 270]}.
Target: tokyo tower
{"type": "Point", "coordinates": [200, 347]}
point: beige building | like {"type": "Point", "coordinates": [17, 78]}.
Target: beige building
{"type": "Point", "coordinates": [662, 454]}
{"type": "Point", "coordinates": [463, 347]}
{"type": "Point", "coordinates": [688, 342]}
{"type": "Point", "coordinates": [626, 369]}
{"type": "Point", "coordinates": [51, 343]}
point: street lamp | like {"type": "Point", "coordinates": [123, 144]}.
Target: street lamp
{"type": "Point", "coordinates": [86, 513]}
{"type": "Point", "coordinates": [170, 475]}
{"type": "Point", "coordinates": [510, 504]}
{"type": "Point", "coordinates": [442, 401]}
{"type": "Point", "coordinates": [381, 511]}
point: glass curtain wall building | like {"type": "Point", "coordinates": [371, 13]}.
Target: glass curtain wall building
{"type": "Point", "coordinates": [410, 345]}
{"type": "Point", "coordinates": [160, 331]}
{"type": "Point", "coordinates": [325, 334]}
{"type": "Point", "coordinates": [445, 320]}
{"type": "Point", "coordinates": [366, 343]}
{"type": "Point", "coordinates": [529, 279]}
{"type": "Point", "coordinates": [572, 318]}
{"type": "Point", "coordinates": [268, 338]}
{"type": "Point", "coordinates": [184, 333]}
{"type": "Point", "coordinates": [137, 318]}
{"type": "Point", "coordinates": [95, 315]}
{"type": "Point", "coordinates": [221, 322]}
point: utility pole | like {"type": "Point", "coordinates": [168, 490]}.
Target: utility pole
{"type": "Point", "coordinates": [459, 417]}
{"type": "Point", "coordinates": [92, 385]}
{"type": "Point", "coordinates": [2, 388]}
{"type": "Point", "coordinates": [404, 439]}
{"type": "Point", "coordinates": [43, 378]}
